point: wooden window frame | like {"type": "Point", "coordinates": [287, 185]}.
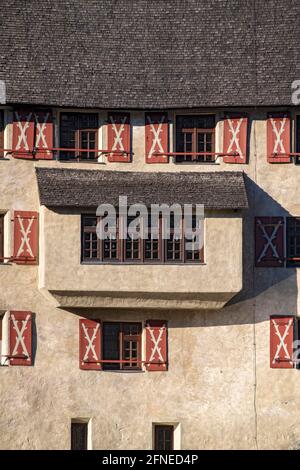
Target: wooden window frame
{"type": "Point", "coordinates": [123, 336]}
{"type": "Point", "coordinates": [164, 428]}
{"type": "Point", "coordinates": [121, 248]}
{"type": "Point", "coordinates": [195, 131]}
{"type": "Point", "coordinates": [77, 138]}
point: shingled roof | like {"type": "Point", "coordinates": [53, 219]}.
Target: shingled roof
{"type": "Point", "coordinates": [149, 53]}
{"type": "Point", "coordinates": [89, 188]}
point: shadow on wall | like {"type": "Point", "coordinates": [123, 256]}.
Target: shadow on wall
{"type": "Point", "coordinates": [275, 289]}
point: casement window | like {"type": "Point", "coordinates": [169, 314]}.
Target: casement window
{"type": "Point", "coordinates": [195, 133]}
{"type": "Point", "coordinates": [293, 241]}
{"type": "Point", "coordinates": [277, 242]}
{"type": "Point", "coordinates": [154, 248]}
{"type": "Point", "coordinates": [1, 133]}
{"type": "Point", "coordinates": [79, 435]}
{"type": "Point", "coordinates": [79, 131]}
{"type": "Point", "coordinates": [163, 437]}
{"type": "Point", "coordinates": [118, 345]}
{"type": "Point", "coordinates": [122, 342]}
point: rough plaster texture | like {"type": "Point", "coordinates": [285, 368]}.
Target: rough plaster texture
{"type": "Point", "coordinates": [219, 386]}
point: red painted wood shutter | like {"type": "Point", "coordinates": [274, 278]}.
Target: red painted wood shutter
{"type": "Point", "coordinates": [235, 138]}
{"type": "Point", "coordinates": [23, 133]}
{"type": "Point", "coordinates": [118, 137]}
{"type": "Point", "coordinates": [278, 138]}
{"type": "Point", "coordinates": [156, 137]}
{"type": "Point", "coordinates": [89, 344]}
{"type": "Point", "coordinates": [32, 129]}
{"type": "Point", "coordinates": [281, 342]}
{"type": "Point", "coordinates": [43, 134]}
{"type": "Point", "coordinates": [269, 242]}
{"type": "Point", "coordinates": [20, 338]}
{"type": "Point", "coordinates": [26, 243]}
{"type": "Point", "coordinates": [156, 345]}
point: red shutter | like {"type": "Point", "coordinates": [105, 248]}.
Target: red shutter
{"type": "Point", "coordinates": [118, 137]}
{"type": "Point", "coordinates": [235, 138]}
{"type": "Point", "coordinates": [26, 243]}
{"type": "Point", "coordinates": [23, 133]}
{"type": "Point", "coordinates": [156, 137]}
{"type": "Point", "coordinates": [278, 138]}
{"type": "Point", "coordinates": [44, 134]}
{"type": "Point", "coordinates": [32, 129]}
{"type": "Point", "coordinates": [20, 338]}
{"type": "Point", "coordinates": [89, 344]}
{"type": "Point", "coordinates": [156, 345]}
{"type": "Point", "coordinates": [269, 242]}
{"type": "Point", "coordinates": [281, 342]}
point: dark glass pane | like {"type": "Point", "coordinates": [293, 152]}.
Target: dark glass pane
{"type": "Point", "coordinates": [111, 344]}
{"type": "Point", "coordinates": [79, 436]}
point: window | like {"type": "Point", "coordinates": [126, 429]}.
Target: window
{"type": "Point", "coordinates": [1, 238]}
{"type": "Point", "coordinates": [122, 342]}
{"type": "Point", "coordinates": [153, 249]}
{"type": "Point", "coordinates": [80, 131]}
{"type": "Point", "coordinates": [79, 436]}
{"type": "Point", "coordinates": [164, 437]}
{"type": "Point", "coordinates": [293, 241]}
{"type": "Point", "coordinates": [195, 134]}
{"type": "Point", "coordinates": [1, 133]}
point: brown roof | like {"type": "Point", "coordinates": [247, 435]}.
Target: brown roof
{"type": "Point", "coordinates": [149, 53]}
{"type": "Point", "coordinates": [89, 188]}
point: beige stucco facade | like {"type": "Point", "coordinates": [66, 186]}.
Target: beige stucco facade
{"type": "Point", "coordinates": [219, 389]}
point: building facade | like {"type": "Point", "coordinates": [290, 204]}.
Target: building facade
{"type": "Point", "coordinates": [145, 344]}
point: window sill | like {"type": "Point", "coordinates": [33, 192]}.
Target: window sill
{"type": "Point", "coordinates": [127, 263]}
{"type": "Point", "coordinates": [197, 163]}
{"type": "Point", "coordinates": [125, 371]}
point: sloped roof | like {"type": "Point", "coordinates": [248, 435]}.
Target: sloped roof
{"type": "Point", "coordinates": [149, 53]}
{"type": "Point", "coordinates": [89, 188]}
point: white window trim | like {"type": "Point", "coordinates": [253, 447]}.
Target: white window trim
{"type": "Point", "coordinates": [4, 351]}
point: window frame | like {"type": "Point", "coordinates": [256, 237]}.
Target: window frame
{"type": "Point", "coordinates": [82, 425]}
{"type": "Point", "coordinates": [77, 138]}
{"type": "Point", "coordinates": [106, 366]}
{"type": "Point", "coordinates": [204, 159]}
{"type": "Point", "coordinates": [163, 427]}
{"type": "Point", "coordinates": [289, 261]}
{"type": "Point", "coordinates": [121, 248]}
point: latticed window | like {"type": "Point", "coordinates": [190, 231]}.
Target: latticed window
{"type": "Point", "coordinates": [158, 246]}
{"type": "Point", "coordinates": [78, 131]}
{"type": "Point", "coordinates": [195, 134]}
{"type": "Point", "coordinates": [293, 241]}
{"type": "Point", "coordinates": [164, 437]}
{"type": "Point", "coordinates": [121, 342]}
